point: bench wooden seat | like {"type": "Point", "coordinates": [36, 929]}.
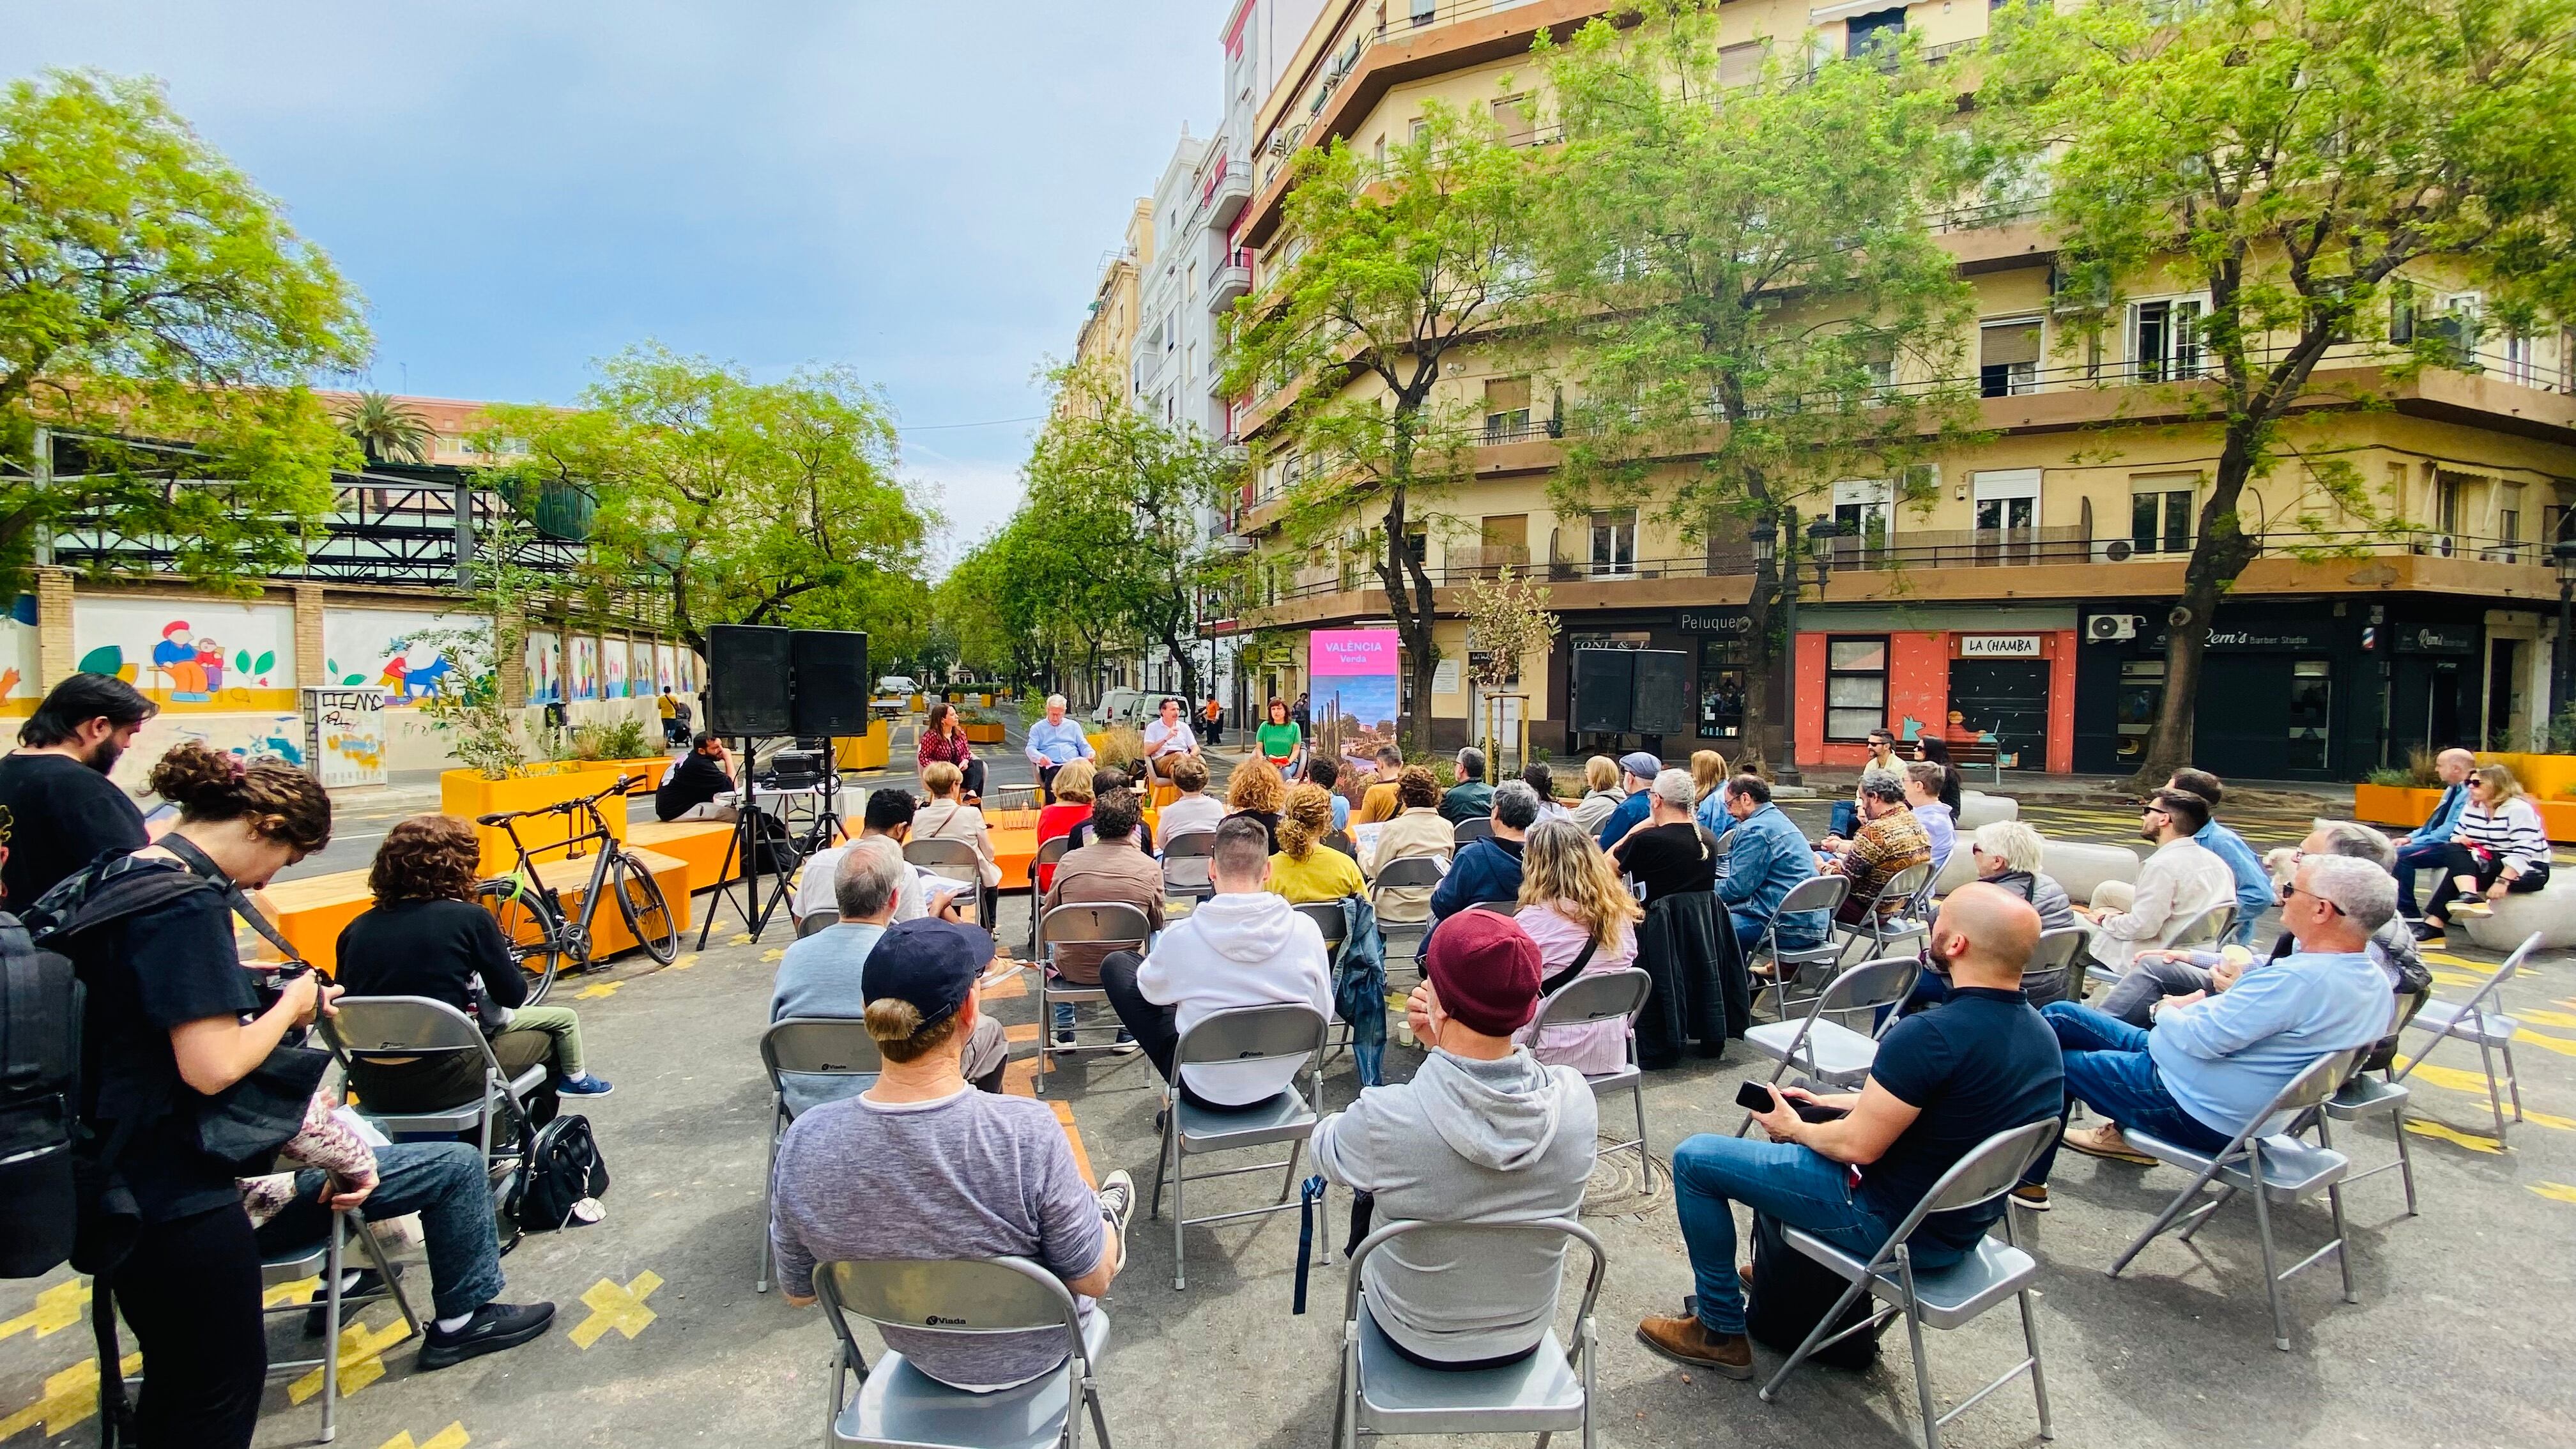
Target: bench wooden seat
{"type": "Point", "coordinates": [313, 911]}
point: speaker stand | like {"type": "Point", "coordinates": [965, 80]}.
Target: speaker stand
{"type": "Point", "coordinates": [745, 847]}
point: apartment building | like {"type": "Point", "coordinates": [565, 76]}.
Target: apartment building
{"type": "Point", "coordinates": [1107, 342]}
{"type": "Point", "coordinates": [2017, 595]}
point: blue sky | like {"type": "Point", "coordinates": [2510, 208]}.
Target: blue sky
{"type": "Point", "coordinates": [923, 192]}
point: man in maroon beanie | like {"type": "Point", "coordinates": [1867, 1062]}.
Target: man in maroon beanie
{"type": "Point", "coordinates": [1483, 1133]}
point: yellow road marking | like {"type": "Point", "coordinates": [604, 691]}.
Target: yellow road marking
{"type": "Point", "coordinates": [742, 940]}
{"type": "Point", "coordinates": [2456, 978]}
{"type": "Point", "coordinates": [1073, 1138]}
{"type": "Point", "coordinates": [620, 1308]}
{"type": "Point", "coordinates": [2554, 1191]}
{"type": "Point", "coordinates": [57, 1308]}
{"type": "Point", "coordinates": [2547, 1018]}
{"type": "Point", "coordinates": [597, 990]}
{"type": "Point", "coordinates": [362, 1360]}
{"type": "Point", "coordinates": [2469, 1140]}
{"type": "Point", "coordinates": [70, 1396]}
{"type": "Point", "coordinates": [451, 1437]}
{"type": "Point", "coordinates": [773, 953]}
{"type": "Point", "coordinates": [285, 1293]}
{"type": "Point", "coordinates": [1015, 984]}
{"type": "Point", "coordinates": [685, 961]}
{"type": "Point", "coordinates": [1026, 1031]}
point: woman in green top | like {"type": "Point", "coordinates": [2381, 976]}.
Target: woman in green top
{"type": "Point", "coordinates": [1282, 743]}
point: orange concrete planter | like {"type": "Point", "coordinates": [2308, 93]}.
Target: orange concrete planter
{"type": "Point", "coordinates": [983, 734]}
{"type": "Point", "coordinates": [467, 793]}
{"type": "Point", "coordinates": [868, 751]}
{"type": "Point", "coordinates": [2408, 807]}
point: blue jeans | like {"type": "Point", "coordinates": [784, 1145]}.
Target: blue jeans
{"type": "Point", "coordinates": [445, 1183]}
{"type": "Point", "coordinates": [2413, 856]}
{"type": "Point", "coordinates": [2107, 1066]}
{"type": "Point", "coordinates": [1846, 819]}
{"type": "Point", "coordinates": [1776, 1179]}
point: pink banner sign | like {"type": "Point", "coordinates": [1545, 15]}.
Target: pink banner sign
{"type": "Point", "coordinates": [1342, 653]}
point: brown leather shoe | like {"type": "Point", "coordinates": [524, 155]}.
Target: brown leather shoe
{"type": "Point", "coordinates": [1688, 1341]}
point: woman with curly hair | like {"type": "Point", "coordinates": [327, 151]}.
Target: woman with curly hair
{"type": "Point", "coordinates": [425, 936]}
{"type": "Point", "coordinates": [1576, 908]}
{"type": "Point", "coordinates": [1257, 791]}
{"type": "Point", "coordinates": [1418, 829]}
{"type": "Point", "coordinates": [1305, 869]}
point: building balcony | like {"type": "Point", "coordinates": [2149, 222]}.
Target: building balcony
{"type": "Point", "coordinates": [1230, 281]}
{"type": "Point", "coordinates": [1227, 192]}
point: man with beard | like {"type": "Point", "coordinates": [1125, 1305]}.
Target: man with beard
{"type": "Point", "coordinates": [58, 811]}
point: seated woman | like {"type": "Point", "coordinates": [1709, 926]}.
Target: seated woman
{"type": "Point", "coordinates": [943, 740]}
{"type": "Point", "coordinates": [1281, 741]}
{"type": "Point", "coordinates": [1111, 777]}
{"type": "Point", "coordinates": [1420, 829]}
{"type": "Point", "coordinates": [425, 936]}
{"type": "Point", "coordinates": [1072, 807]}
{"type": "Point", "coordinates": [1306, 869]}
{"type": "Point", "coordinates": [1580, 913]}
{"type": "Point", "coordinates": [1257, 791]}
{"type": "Point", "coordinates": [2498, 848]}
{"type": "Point", "coordinates": [948, 817]}
{"type": "Point", "coordinates": [2007, 854]}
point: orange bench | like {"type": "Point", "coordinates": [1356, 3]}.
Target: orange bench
{"type": "Point", "coordinates": [701, 844]}
{"type": "Point", "coordinates": [312, 912]}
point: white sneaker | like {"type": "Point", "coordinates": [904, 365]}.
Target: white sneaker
{"type": "Point", "coordinates": [1118, 1199]}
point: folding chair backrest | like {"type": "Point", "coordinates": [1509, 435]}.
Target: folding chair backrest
{"type": "Point", "coordinates": [1328, 918]}
{"type": "Point", "coordinates": [964, 1296]}
{"type": "Point", "coordinates": [1478, 828]}
{"type": "Point", "coordinates": [2322, 1079]}
{"type": "Point", "coordinates": [1052, 850]}
{"type": "Point", "coordinates": [1499, 908]}
{"type": "Point", "coordinates": [1200, 843]}
{"type": "Point", "coordinates": [1252, 1034]}
{"type": "Point", "coordinates": [1989, 1170]}
{"type": "Point", "coordinates": [2208, 928]}
{"type": "Point", "coordinates": [1411, 872]}
{"type": "Point", "coordinates": [401, 1026]}
{"type": "Point", "coordinates": [1109, 923]}
{"type": "Point", "coordinates": [2055, 951]}
{"type": "Point", "coordinates": [1599, 996]}
{"type": "Point", "coordinates": [1725, 847]}
{"type": "Point", "coordinates": [954, 859]}
{"type": "Point", "coordinates": [1906, 884]}
{"type": "Point", "coordinates": [821, 1046]}
{"type": "Point", "coordinates": [2480, 999]}
{"type": "Point", "coordinates": [1341, 841]}
{"type": "Point", "coordinates": [816, 921]}
{"type": "Point", "coordinates": [1816, 893]}
{"type": "Point", "coordinates": [1869, 985]}
{"type": "Point", "coordinates": [1557, 1228]}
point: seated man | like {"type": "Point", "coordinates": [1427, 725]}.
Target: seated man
{"type": "Point", "coordinates": [1483, 1133]}
{"type": "Point", "coordinates": [1489, 869]}
{"type": "Point", "coordinates": [2214, 1062]}
{"type": "Point", "coordinates": [2253, 883]}
{"type": "Point", "coordinates": [1111, 870]}
{"type": "Point", "coordinates": [689, 788]}
{"type": "Point", "coordinates": [1194, 811]}
{"type": "Point", "coordinates": [1471, 797]}
{"type": "Point", "coordinates": [1923, 798]}
{"type": "Point", "coordinates": [1882, 760]}
{"type": "Point", "coordinates": [2426, 844]}
{"type": "Point", "coordinates": [2177, 884]}
{"type": "Point", "coordinates": [1055, 742]}
{"type": "Point", "coordinates": [1168, 740]}
{"type": "Point", "coordinates": [1890, 840]}
{"type": "Point", "coordinates": [1379, 801]}
{"type": "Point", "coordinates": [1637, 772]}
{"type": "Point", "coordinates": [1242, 947]}
{"type": "Point", "coordinates": [819, 975]}
{"type": "Point", "coordinates": [922, 1166]}
{"type": "Point", "coordinates": [1943, 1082]}
{"type": "Point", "coordinates": [1768, 859]}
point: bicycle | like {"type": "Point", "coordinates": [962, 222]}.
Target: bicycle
{"type": "Point", "coordinates": [531, 913]}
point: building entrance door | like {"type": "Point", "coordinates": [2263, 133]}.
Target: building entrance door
{"type": "Point", "coordinates": [2005, 698]}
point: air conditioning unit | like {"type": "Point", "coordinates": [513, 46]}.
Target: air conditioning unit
{"type": "Point", "coordinates": [2118, 550]}
{"type": "Point", "coordinates": [2111, 628]}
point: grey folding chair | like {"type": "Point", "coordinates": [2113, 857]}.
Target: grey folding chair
{"type": "Point", "coordinates": [1384, 1394]}
{"type": "Point", "coordinates": [2208, 929]}
{"type": "Point", "coordinates": [1880, 925]}
{"type": "Point", "coordinates": [1479, 828]}
{"type": "Point", "coordinates": [2475, 1020]}
{"type": "Point", "coordinates": [374, 1029]}
{"type": "Point", "coordinates": [814, 923]}
{"type": "Point", "coordinates": [1108, 924]}
{"type": "Point", "coordinates": [1328, 918]}
{"type": "Point", "coordinates": [1411, 872]}
{"type": "Point", "coordinates": [1499, 908]}
{"type": "Point", "coordinates": [2285, 1169]}
{"type": "Point", "coordinates": [900, 1407]}
{"type": "Point", "coordinates": [1948, 1297]}
{"type": "Point", "coordinates": [1608, 996]}
{"type": "Point", "coordinates": [1049, 852]}
{"type": "Point", "coordinates": [2056, 956]}
{"type": "Point", "coordinates": [1341, 840]}
{"type": "Point", "coordinates": [1186, 866]}
{"type": "Point", "coordinates": [1829, 1051]}
{"type": "Point", "coordinates": [2364, 1095]}
{"type": "Point", "coordinates": [954, 860]}
{"type": "Point", "coordinates": [1242, 1035]}
{"type": "Point", "coordinates": [324, 1259]}
{"type": "Point", "coordinates": [810, 1060]}
{"type": "Point", "coordinates": [1816, 893]}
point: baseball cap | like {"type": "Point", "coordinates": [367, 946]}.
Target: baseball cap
{"type": "Point", "coordinates": [929, 962]}
{"type": "Point", "coordinates": [1640, 764]}
{"type": "Point", "coordinates": [1486, 969]}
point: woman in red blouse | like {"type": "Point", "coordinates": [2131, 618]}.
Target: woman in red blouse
{"type": "Point", "coordinates": [944, 738]}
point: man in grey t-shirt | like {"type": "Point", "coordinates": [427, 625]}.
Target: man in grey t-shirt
{"type": "Point", "coordinates": [922, 1166]}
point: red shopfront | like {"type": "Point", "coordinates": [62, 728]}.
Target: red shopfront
{"type": "Point", "coordinates": [1999, 679]}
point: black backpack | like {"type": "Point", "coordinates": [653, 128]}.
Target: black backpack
{"type": "Point", "coordinates": [40, 1028]}
{"type": "Point", "coordinates": [1791, 1293]}
{"type": "Point", "coordinates": [559, 1166]}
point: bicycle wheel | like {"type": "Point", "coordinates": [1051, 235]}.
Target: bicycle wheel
{"type": "Point", "coordinates": [532, 927]}
{"type": "Point", "coordinates": [648, 916]}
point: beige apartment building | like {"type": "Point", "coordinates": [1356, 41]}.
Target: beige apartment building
{"type": "Point", "coordinates": [2016, 596]}
{"type": "Point", "coordinates": [1108, 336]}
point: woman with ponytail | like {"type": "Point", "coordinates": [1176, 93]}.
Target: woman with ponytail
{"type": "Point", "coordinates": [1306, 869]}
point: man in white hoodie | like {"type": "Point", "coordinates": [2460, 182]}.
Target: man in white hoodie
{"type": "Point", "coordinates": [1482, 1134]}
{"type": "Point", "coordinates": [1242, 947]}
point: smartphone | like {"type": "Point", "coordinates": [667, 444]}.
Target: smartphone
{"type": "Point", "coordinates": [1756, 1097]}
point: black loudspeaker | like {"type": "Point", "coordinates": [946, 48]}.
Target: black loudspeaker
{"type": "Point", "coordinates": [1663, 693]}
{"type": "Point", "coordinates": [1605, 690]}
{"type": "Point", "coordinates": [831, 696]}
{"type": "Point", "coordinates": [747, 680]}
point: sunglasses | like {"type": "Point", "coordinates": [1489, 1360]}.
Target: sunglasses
{"type": "Point", "coordinates": [2292, 889]}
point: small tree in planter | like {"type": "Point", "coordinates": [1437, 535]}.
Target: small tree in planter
{"type": "Point", "coordinates": [1508, 619]}
{"type": "Point", "coordinates": [482, 731]}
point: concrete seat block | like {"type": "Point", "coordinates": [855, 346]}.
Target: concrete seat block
{"type": "Point", "coordinates": [1976, 808]}
{"type": "Point", "coordinates": [2082, 868]}
{"type": "Point", "coordinates": [2550, 910]}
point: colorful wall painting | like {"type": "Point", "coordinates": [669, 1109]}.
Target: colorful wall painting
{"type": "Point", "coordinates": [613, 658]}
{"type": "Point", "coordinates": [666, 667]}
{"type": "Point", "coordinates": [543, 657]}
{"type": "Point", "coordinates": [585, 667]}
{"type": "Point", "coordinates": [18, 691]}
{"type": "Point", "coordinates": [385, 647]}
{"type": "Point", "coordinates": [344, 733]}
{"type": "Point", "coordinates": [191, 655]}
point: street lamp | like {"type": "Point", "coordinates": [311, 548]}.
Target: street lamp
{"type": "Point", "coordinates": [1770, 571]}
{"type": "Point", "coordinates": [2562, 553]}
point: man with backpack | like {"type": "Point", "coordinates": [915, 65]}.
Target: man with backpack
{"type": "Point", "coordinates": [58, 809]}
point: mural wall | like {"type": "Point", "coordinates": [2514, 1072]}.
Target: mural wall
{"type": "Point", "coordinates": [18, 691]}
{"type": "Point", "coordinates": [191, 656]}
{"type": "Point", "coordinates": [543, 655]}
{"type": "Point", "coordinates": [585, 667]}
{"type": "Point", "coordinates": [384, 647]}
{"type": "Point", "coordinates": [612, 668]}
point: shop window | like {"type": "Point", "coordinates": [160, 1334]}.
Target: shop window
{"type": "Point", "coordinates": [2160, 512]}
{"type": "Point", "coordinates": [2142, 693]}
{"type": "Point", "coordinates": [1855, 688]}
{"type": "Point", "coordinates": [2311, 713]}
{"type": "Point", "coordinates": [1723, 680]}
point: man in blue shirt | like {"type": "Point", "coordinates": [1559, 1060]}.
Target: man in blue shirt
{"type": "Point", "coordinates": [1489, 869]}
{"type": "Point", "coordinates": [2424, 846]}
{"type": "Point", "coordinates": [1637, 771]}
{"type": "Point", "coordinates": [1055, 742]}
{"type": "Point", "coordinates": [1768, 859]}
{"type": "Point", "coordinates": [2213, 1062]}
{"type": "Point", "coordinates": [2253, 882]}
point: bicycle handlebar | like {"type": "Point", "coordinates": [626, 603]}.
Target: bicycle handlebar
{"type": "Point", "coordinates": [624, 786]}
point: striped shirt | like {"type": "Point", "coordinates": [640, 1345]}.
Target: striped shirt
{"type": "Point", "coordinates": [2512, 833]}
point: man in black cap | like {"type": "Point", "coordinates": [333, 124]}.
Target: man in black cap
{"type": "Point", "coordinates": [923, 1166]}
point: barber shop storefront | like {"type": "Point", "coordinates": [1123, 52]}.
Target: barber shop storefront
{"type": "Point", "coordinates": [1687, 691]}
{"type": "Point", "coordinates": [1996, 683]}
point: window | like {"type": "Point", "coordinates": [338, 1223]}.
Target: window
{"type": "Point", "coordinates": [2165, 339]}
{"type": "Point", "coordinates": [2007, 504]}
{"type": "Point", "coordinates": [1721, 689]}
{"type": "Point", "coordinates": [2401, 312]}
{"type": "Point", "coordinates": [1879, 30]}
{"type": "Point", "coordinates": [2160, 512]}
{"type": "Point", "coordinates": [1424, 11]}
{"type": "Point", "coordinates": [1739, 64]}
{"type": "Point", "coordinates": [2518, 360]}
{"type": "Point", "coordinates": [2311, 713]}
{"type": "Point", "coordinates": [1421, 128]}
{"type": "Point", "coordinates": [1614, 542]}
{"type": "Point", "coordinates": [1855, 687]}
{"type": "Point", "coordinates": [2142, 693]}
{"type": "Point", "coordinates": [1512, 114]}
{"type": "Point", "coordinates": [1861, 509]}
{"type": "Point", "coordinates": [2509, 514]}
{"type": "Point", "coordinates": [2008, 357]}
{"type": "Point", "coordinates": [1507, 409]}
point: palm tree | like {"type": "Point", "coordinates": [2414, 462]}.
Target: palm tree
{"type": "Point", "coordinates": [386, 428]}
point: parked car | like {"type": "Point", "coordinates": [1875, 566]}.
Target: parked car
{"type": "Point", "coordinates": [1124, 707]}
{"type": "Point", "coordinates": [894, 694]}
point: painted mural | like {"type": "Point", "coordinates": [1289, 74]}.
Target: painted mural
{"type": "Point", "coordinates": [585, 667]}
{"type": "Point", "coordinates": [543, 656]}
{"type": "Point", "coordinates": [384, 647]}
{"type": "Point", "coordinates": [665, 667]}
{"type": "Point", "coordinates": [191, 655]}
{"type": "Point", "coordinates": [18, 691]}
{"type": "Point", "coordinates": [612, 668]}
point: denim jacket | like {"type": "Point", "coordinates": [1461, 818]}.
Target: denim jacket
{"type": "Point", "coordinates": [1769, 857]}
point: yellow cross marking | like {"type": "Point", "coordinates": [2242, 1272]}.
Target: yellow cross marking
{"type": "Point", "coordinates": [70, 1396]}
{"type": "Point", "coordinates": [614, 1307]}
{"type": "Point", "coordinates": [57, 1308]}
{"type": "Point", "coordinates": [2458, 978]}
{"type": "Point", "coordinates": [2469, 1140]}
{"type": "Point", "coordinates": [742, 940]}
{"type": "Point", "coordinates": [2546, 1018]}
{"type": "Point", "coordinates": [285, 1293]}
{"type": "Point", "coordinates": [2558, 1044]}
{"type": "Point", "coordinates": [451, 1437]}
{"type": "Point", "coordinates": [597, 991]}
{"type": "Point", "coordinates": [685, 962]}
{"type": "Point", "coordinates": [773, 953]}
{"type": "Point", "coordinates": [2554, 1191]}
{"type": "Point", "coordinates": [362, 1360]}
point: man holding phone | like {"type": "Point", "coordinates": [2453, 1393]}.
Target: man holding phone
{"type": "Point", "coordinates": [1943, 1082]}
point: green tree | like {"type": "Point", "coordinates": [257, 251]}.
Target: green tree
{"type": "Point", "coordinates": [1747, 296]}
{"type": "Point", "coordinates": [385, 428]}
{"type": "Point", "coordinates": [149, 291]}
{"type": "Point", "coordinates": [746, 503]}
{"type": "Point", "coordinates": [1396, 266]}
{"type": "Point", "coordinates": [2297, 160]}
